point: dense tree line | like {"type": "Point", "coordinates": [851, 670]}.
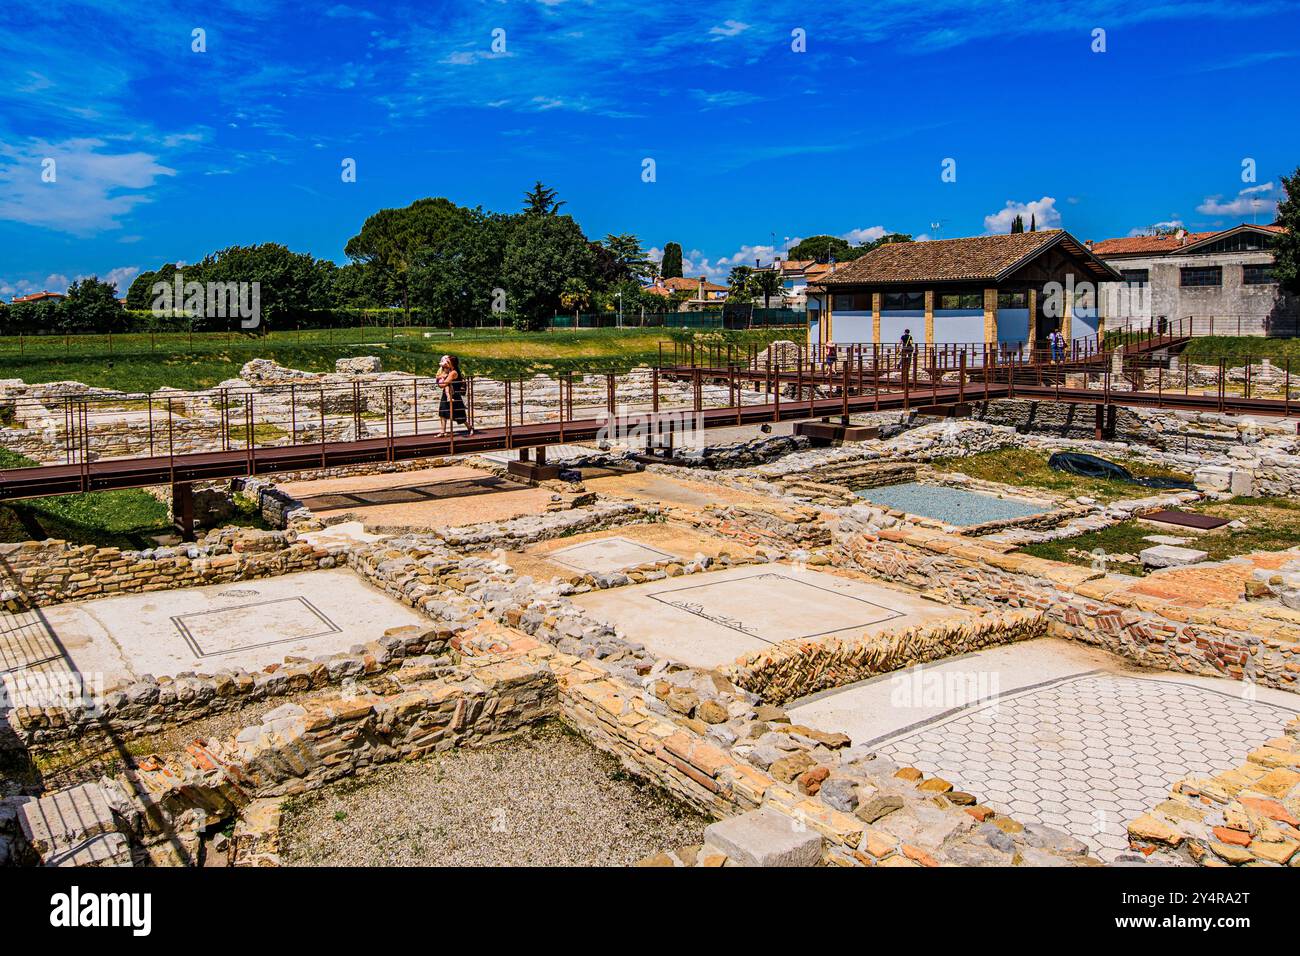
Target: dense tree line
{"type": "Point", "coordinates": [450, 264]}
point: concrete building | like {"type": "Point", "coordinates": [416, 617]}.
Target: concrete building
{"type": "Point", "coordinates": [1208, 282]}
{"type": "Point", "coordinates": [982, 289]}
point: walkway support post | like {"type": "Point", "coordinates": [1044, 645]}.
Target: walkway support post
{"type": "Point", "coordinates": [183, 509]}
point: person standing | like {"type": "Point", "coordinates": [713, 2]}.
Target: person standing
{"type": "Point", "coordinates": [451, 407]}
{"type": "Point", "coordinates": [906, 349]}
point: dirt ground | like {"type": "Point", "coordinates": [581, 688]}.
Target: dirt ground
{"type": "Point", "coordinates": [544, 799]}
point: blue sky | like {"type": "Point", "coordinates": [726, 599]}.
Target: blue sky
{"type": "Point", "coordinates": [165, 154]}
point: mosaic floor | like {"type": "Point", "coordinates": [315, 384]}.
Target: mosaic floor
{"type": "Point", "coordinates": [1090, 752]}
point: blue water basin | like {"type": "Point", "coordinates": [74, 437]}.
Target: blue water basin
{"type": "Point", "coordinates": [955, 506]}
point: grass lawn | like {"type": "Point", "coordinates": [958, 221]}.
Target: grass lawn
{"type": "Point", "coordinates": [1238, 350]}
{"type": "Point", "coordinates": [1272, 524]}
{"type": "Point", "coordinates": [139, 363]}
{"type": "Point", "coordinates": [1028, 469]}
{"type": "Point", "coordinates": [127, 518]}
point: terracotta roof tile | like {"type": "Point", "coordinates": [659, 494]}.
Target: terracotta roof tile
{"type": "Point", "coordinates": [1136, 245]}
{"type": "Point", "coordinates": [1156, 245]}
{"type": "Point", "coordinates": [937, 260]}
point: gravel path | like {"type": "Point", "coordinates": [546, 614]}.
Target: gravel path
{"type": "Point", "coordinates": [545, 799]}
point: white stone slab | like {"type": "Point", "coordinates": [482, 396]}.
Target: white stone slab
{"type": "Point", "coordinates": [605, 555]}
{"type": "Point", "coordinates": [1170, 556]}
{"type": "Point", "coordinates": [709, 619]}
{"type": "Point", "coordinates": [249, 624]}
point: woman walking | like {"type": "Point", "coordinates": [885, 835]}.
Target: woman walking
{"type": "Point", "coordinates": [451, 407]}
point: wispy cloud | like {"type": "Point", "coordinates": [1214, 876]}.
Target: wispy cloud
{"type": "Point", "coordinates": [78, 186]}
{"type": "Point", "coordinates": [1258, 200]}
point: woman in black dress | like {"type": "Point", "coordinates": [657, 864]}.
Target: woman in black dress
{"type": "Point", "coordinates": [451, 407]}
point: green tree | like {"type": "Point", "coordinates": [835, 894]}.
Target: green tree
{"type": "Point", "coordinates": [1286, 246]}
{"type": "Point", "coordinates": [575, 295]}
{"type": "Point", "coordinates": [288, 282]}
{"type": "Point", "coordinates": [738, 282]}
{"type": "Point", "coordinates": [92, 306]}
{"type": "Point", "coordinates": [671, 266]}
{"type": "Point", "coordinates": [887, 239]}
{"type": "Point", "coordinates": [542, 252]}
{"type": "Point", "coordinates": [767, 283]}
{"type": "Point", "coordinates": [1018, 224]}
{"type": "Point", "coordinates": [389, 241]}
{"type": "Point", "coordinates": [627, 252]}
{"type": "Point", "coordinates": [1033, 222]}
{"type": "Point", "coordinates": [139, 295]}
{"type": "Point", "coordinates": [824, 248]}
{"type": "Point", "coordinates": [540, 200]}
{"type": "Point", "coordinates": [360, 285]}
{"type": "Point", "coordinates": [456, 271]}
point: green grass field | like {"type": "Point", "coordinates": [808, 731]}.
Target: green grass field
{"type": "Point", "coordinates": [1238, 350]}
{"type": "Point", "coordinates": [1028, 469]}
{"type": "Point", "coordinates": [130, 519]}
{"type": "Point", "coordinates": [140, 362]}
{"type": "Point", "coordinates": [1272, 524]}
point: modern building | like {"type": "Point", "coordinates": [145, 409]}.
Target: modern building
{"type": "Point", "coordinates": [1219, 282]}
{"type": "Point", "coordinates": [1009, 289]}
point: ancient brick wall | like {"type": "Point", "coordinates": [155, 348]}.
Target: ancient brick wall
{"type": "Point", "coordinates": [1087, 606]}
{"type": "Point", "coordinates": [39, 573]}
{"type": "Point", "coordinates": [794, 669]}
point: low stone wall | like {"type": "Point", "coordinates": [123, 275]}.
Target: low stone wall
{"type": "Point", "coordinates": [680, 733]}
{"type": "Point", "coordinates": [155, 704]}
{"type": "Point", "coordinates": [1085, 605]}
{"type": "Point", "coordinates": [794, 669]}
{"type": "Point", "coordinates": [277, 508]}
{"type": "Point", "coordinates": [39, 573]}
{"type": "Point", "coordinates": [162, 807]}
{"type": "Point", "coordinates": [1247, 816]}
{"type": "Point", "coordinates": [529, 529]}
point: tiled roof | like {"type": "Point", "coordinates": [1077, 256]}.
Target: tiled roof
{"type": "Point", "coordinates": [1158, 245]}
{"type": "Point", "coordinates": [1139, 245]}
{"type": "Point", "coordinates": [691, 285]}
{"type": "Point", "coordinates": [38, 296]}
{"type": "Point", "coordinates": [940, 260]}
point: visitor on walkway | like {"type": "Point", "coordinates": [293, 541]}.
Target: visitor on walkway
{"type": "Point", "coordinates": [1057, 342]}
{"type": "Point", "coordinates": [906, 349]}
{"type": "Point", "coordinates": [451, 407]}
{"type": "Point", "coordinates": [831, 356]}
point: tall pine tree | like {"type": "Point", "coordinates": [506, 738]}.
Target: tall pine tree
{"type": "Point", "coordinates": [671, 267]}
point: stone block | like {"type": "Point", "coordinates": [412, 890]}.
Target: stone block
{"type": "Point", "coordinates": [74, 827]}
{"type": "Point", "coordinates": [765, 838]}
{"type": "Point", "coordinates": [1170, 556]}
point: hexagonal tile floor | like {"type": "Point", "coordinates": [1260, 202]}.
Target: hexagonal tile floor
{"type": "Point", "coordinates": [1089, 752]}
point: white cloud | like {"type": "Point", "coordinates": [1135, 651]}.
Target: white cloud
{"type": "Point", "coordinates": [1042, 212]}
{"type": "Point", "coordinates": [51, 283]}
{"type": "Point", "coordinates": [1253, 201]}
{"type": "Point", "coordinates": [93, 190]}
{"type": "Point", "coordinates": [858, 236]}
{"type": "Point", "coordinates": [724, 98]}
{"type": "Point", "coordinates": [121, 277]}
{"type": "Point", "coordinates": [729, 28]}
{"type": "Point", "coordinates": [341, 11]}
{"type": "Point", "coordinates": [57, 282]}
